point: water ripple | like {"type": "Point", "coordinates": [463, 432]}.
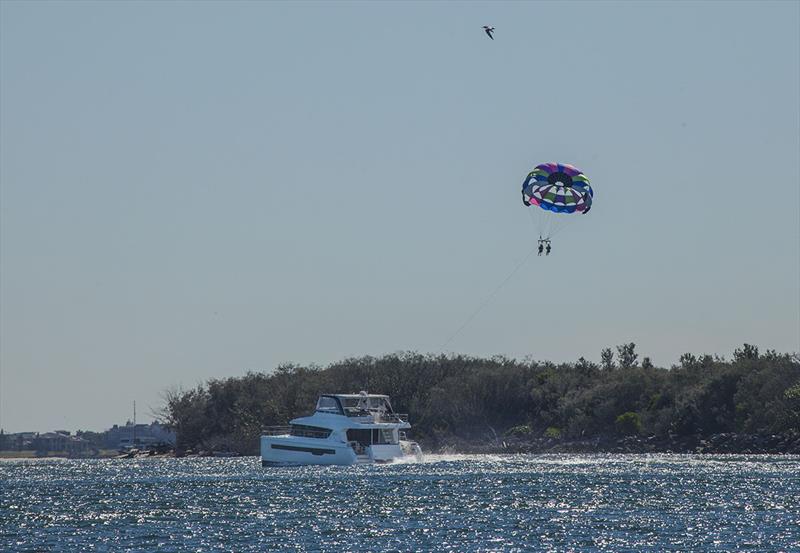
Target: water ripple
{"type": "Point", "coordinates": [449, 503]}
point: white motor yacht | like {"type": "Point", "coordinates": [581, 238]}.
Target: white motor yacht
{"type": "Point", "coordinates": [345, 429]}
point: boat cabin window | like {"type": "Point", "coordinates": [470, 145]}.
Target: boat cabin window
{"type": "Point", "coordinates": [361, 436]}
{"type": "Point", "coordinates": [307, 431]}
{"type": "Point", "coordinates": [371, 436]}
{"type": "Point", "coordinates": [383, 436]}
{"type": "Point", "coordinates": [329, 404]}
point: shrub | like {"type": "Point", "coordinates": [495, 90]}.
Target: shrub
{"type": "Point", "coordinates": [520, 430]}
{"type": "Point", "coordinates": [628, 424]}
{"type": "Point", "coordinates": [553, 432]}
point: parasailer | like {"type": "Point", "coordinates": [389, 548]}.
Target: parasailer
{"type": "Point", "coordinates": [556, 191]}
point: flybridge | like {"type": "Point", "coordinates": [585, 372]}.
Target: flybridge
{"type": "Point", "coordinates": [360, 405]}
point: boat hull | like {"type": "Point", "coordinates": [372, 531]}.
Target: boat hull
{"type": "Point", "coordinates": [291, 450]}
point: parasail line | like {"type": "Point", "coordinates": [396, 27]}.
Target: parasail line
{"type": "Point", "coordinates": [488, 298]}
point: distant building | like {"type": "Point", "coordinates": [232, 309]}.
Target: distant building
{"type": "Point", "coordinates": [61, 442]}
{"type": "Point", "coordinates": [144, 436]}
{"type": "Point", "coordinates": [116, 437]}
{"type": "Point", "coordinates": [19, 441]}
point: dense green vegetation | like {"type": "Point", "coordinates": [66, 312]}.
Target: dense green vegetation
{"type": "Point", "coordinates": [474, 399]}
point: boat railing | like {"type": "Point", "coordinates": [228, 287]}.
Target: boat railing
{"type": "Point", "coordinates": [393, 417]}
{"type": "Point", "coordinates": [276, 431]}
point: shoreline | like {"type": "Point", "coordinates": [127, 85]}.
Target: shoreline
{"type": "Point", "coordinates": [724, 444]}
{"type": "Point", "coordinates": [716, 444]}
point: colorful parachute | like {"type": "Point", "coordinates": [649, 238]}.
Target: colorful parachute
{"type": "Point", "coordinates": [559, 189]}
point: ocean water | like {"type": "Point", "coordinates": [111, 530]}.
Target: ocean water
{"type": "Point", "coordinates": [448, 503]}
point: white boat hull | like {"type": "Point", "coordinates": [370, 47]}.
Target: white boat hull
{"type": "Point", "coordinates": [291, 450]}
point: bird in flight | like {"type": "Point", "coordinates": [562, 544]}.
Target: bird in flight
{"type": "Point", "coordinates": [489, 30]}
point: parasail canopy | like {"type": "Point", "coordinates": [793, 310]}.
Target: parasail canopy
{"type": "Point", "coordinates": [557, 187]}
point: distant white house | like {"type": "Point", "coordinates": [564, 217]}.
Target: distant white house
{"type": "Point", "coordinates": [141, 436]}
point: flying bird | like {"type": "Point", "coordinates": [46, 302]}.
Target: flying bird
{"type": "Point", "coordinates": [489, 30]}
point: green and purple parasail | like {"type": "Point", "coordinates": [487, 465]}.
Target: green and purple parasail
{"type": "Point", "coordinates": [557, 187]}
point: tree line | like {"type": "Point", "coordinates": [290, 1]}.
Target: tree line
{"type": "Point", "coordinates": [470, 398]}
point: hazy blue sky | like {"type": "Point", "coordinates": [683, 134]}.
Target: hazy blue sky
{"type": "Point", "coordinates": [195, 190]}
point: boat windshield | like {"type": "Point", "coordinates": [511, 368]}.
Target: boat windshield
{"type": "Point", "coordinates": [328, 404]}
{"type": "Point", "coordinates": [363, 405]}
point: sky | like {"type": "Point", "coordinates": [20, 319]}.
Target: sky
{"type": "Point", "coordinates": [197, 190]}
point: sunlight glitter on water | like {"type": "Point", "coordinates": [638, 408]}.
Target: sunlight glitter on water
{"type": "Point", "coordinates": [447, 503]}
